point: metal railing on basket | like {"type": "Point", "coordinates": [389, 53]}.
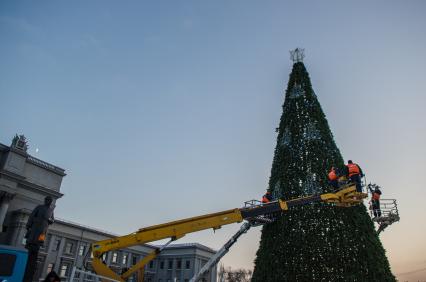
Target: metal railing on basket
{"type": "Point", "coordinates": [388, 209]}
{"type": "Point", "coordinates": [78, 275]}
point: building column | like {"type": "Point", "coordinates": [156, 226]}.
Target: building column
{"type": "Point", "coordinates": [5, 199]}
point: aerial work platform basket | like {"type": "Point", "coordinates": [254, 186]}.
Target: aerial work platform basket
{"type": "Point", "coordinates": [387, 215]}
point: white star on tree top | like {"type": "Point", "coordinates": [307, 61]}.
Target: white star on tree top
{"type": "Point", "coordinates": [297, 55]}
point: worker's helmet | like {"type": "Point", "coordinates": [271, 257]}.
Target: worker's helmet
{"type": "Point", "coordinates": [48, 200]}
{"type": "Point", "coordinates": [350, 162]}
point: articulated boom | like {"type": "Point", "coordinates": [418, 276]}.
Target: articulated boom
{"type": "Point", "coordinates": [255, 214]}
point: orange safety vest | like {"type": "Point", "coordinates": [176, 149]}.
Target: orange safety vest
{"type": "Point", "coordinates": [376, 196]}
{"type": "Point", "coordinates": [332, 175]}
{"type": "Point", "coordinates": [265, 200]}
{"type": "Point", "coordinates": [353, 169]}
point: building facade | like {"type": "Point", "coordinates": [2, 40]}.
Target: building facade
{"type": "Point", "coordinates": [67, 245]}
{"type": "Point", "coordinates": [24, 183]}
{"type": "Point", "coordinates": [180, 262]}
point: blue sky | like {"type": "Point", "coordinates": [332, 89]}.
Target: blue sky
{"type": "Point", "coordinates": [164, 110]}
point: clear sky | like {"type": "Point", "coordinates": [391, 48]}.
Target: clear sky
{"type": "Point", "coordinates": [164, 110]}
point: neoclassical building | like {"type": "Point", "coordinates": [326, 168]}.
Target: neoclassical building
{"type": "Point", "coordinates": [24, 183]}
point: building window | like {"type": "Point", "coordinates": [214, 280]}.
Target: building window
{"type": "Point", "coordinates": [134, 259]}
{"type": "Point", "coordinates": [114, 257]}
{"type": "Point", "coordinates": [104, 257]}
{"type": "Point", "coordinates": [187, 264]}
{"type": "Point", "coordinates": [49, 268]}
{"type": "Point", "coordinates": [124, 258]}
{"type": "Point", "coordinates": [162, 264]}
{"type": "Point", "coordinates": [69, 248]}
{"type": "Point", "coordinates": [151, 264]}
{"type": "Point", "coordinates": [64, 270]}
{"type": "Point", "coordinates": [57, 244]}
{"type": "Point", "coordinates": [81, 250]}
{"type": "Point", "coordinates": [170, 265]}
{"type": "Point", "coordinates": [179, 264]}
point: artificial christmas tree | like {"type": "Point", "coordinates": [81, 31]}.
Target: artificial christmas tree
{"type": "Point", "coordinates": [317, 242]}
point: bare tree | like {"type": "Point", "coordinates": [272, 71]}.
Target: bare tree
{"type": "Point", "coordinates": [227, 274]}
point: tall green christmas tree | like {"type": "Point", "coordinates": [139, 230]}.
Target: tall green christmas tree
{"type": "Point", "coordinates": [317, 242]}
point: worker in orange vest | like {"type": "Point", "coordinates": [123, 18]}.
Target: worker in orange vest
{"type": "Point", "coordinates": [354, 173]}
{"type": "Point", "coordinates": [333, 178]}
{"type": "Point", "coordinates": [375, 200]}
{"type": "Point", "coordinates": [267, 197]}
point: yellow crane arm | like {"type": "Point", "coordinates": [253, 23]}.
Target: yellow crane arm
{"type": "Point", "coordinates": [177, 229]}
{"type": "Point", "coordinates": [174, 229]}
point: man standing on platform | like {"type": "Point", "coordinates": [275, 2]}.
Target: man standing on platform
{"type": "Point", "coordinates": [333, 178]}
{"type": "Point", "coordinates": [355, 173]}
{"type": "Point", "coordinates": [375, 200]}
{"type": "Point", "coordinates": [38, 222]}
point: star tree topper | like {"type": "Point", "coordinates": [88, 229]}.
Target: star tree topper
{"type": "Point", "coordinates": [297, 55]}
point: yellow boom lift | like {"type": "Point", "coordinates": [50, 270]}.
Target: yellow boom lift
{"type": "Point", "coordinates": [254, 214]}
